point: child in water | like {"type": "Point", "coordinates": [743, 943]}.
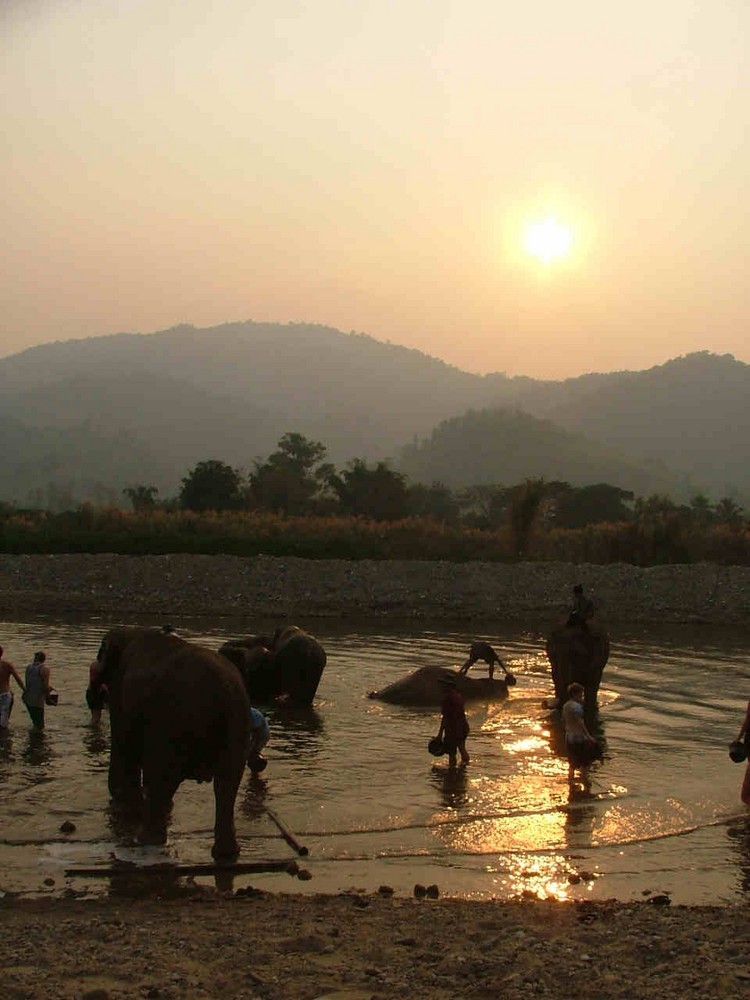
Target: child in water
{"type": "Point", "coordinates": [454, 726]}
{"type": "Point", "coordinates": [581, 747]}
{"type": "Point", "coordinates": [259, 735]}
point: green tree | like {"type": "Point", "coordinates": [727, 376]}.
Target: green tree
{"type": "Point", "coordinates": [435, 501]}
{"type": "Point", "coordinates": [701, 510]}
{"type": "Point", "coordinates": [379, 493]}
{"type": "Point", "coordinates": [526, 502]}
{"type": "Point", "coordinates": [728, 511]}
{"type": "Point", "coordinates": [294, 478]}
{"type": "Point", "coordinates": [211, 485]}
{"type": "Point", "coordinates": [596, 504]}
{"type": "Point", "coordinates": [143, 498]}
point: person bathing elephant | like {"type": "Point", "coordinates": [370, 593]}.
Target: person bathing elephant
{"type": "Point", "coordinates": [484, 653]}
{"type": "Point", "coordinates": [287, 665]}
{"type": "Point", "coordinates": [178, 711]}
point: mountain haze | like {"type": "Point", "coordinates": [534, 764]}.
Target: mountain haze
{"type": "Point", "coordinates": [115, 410]}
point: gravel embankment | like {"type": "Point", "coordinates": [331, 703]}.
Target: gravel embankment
{"type": "Point", "coordinates": [267, 587]}
{"type": "Point", "coordinates": [370, 948]}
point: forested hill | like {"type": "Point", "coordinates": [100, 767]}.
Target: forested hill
{"type": "Point", "coordinates": [101, 413]}
{"type": "Point", "coordinates": [461, 451]}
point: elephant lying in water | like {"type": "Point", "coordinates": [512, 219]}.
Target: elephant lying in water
{"type": "Point", "coordinates": [579, 654]}
{"type": "Point", "coordinates": [288, 665]}
{"type": "Point", "coordinates": [178, 711]}
{"type": "Point", "coordinates": [424, 687]}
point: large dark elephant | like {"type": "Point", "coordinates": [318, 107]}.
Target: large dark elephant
{"type": "Point", "coordinates": [577, 654]}
{"type": "Point", "coordinates": [178, 711]}
{"type": "Point", "coordinates": [286, 665]}
{"type": "Point", "coordinates": [424, 687]}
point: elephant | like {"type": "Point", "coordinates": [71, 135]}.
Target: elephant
{"type": "Point", "coordinates": [424, 687]}
{"type": "Point", "coordinates": [287, 665]}
{"type": "Point", "coordinates": [577, 654]}
{"type": "Point", "coordinates": [178, 711]}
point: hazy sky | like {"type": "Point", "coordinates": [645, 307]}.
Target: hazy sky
{"type": "Point", "coordinates": [371, 164]}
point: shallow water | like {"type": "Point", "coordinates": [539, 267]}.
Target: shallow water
{"type": "Point", "coordinates": [352, 777]}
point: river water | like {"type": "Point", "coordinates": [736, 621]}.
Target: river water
{"type": "Point", "coordinates": [353, 780]}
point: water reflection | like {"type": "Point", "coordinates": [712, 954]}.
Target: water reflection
{"type": "Point", "coordinates": [295, 730]}
{"type": "Point", "coordinates": [452, 783]}
{"type": "Point", "coordinates": [252, 804]}
{"type": "Point", "coordinates": [95, 743]}
{"type": "Point", "coordinates": [739, 837]}
{"type": "Point", "coordinates": [38, 753]}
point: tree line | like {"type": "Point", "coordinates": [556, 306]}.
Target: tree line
{"type": "Point", "coordinates": [295, 480]}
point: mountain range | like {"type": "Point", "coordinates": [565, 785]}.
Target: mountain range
{"type": "Point", "coordinates": [81, 419]}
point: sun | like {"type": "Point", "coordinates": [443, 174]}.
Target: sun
{"type": "Point", "coordinates": [547, 240]}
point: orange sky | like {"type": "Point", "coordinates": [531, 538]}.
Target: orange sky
{"type": "Point", "coordinates": [371, 166]}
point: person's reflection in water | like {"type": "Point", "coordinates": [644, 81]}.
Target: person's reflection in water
{"type": "Point", "coordinates": [579, 821]}
{"type": "Point", "coordinates": [739, 836]}
{"type": "Point", "coordinates": [452, 783]}
{"type": "Point", "coordinates": [38, 753]}
{"type": "Point", "coordinates": [95, 744]}
{"type": "Point", "coordinates": [253, 804]}
{"type": "Point", "coordinates": [6, 754]}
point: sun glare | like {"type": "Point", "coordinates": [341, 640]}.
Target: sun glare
{"type": "Point", "coordinates": [547, 240]}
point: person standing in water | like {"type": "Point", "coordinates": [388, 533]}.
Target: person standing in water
{"type": "Point", "coordinates": [580, 746]}
{"type": "Point", "coordinates": [744, 737]}
{"type": "Point", "coordinates": [96, 694]}
{"type": "Point", "coordinates": [37, 688]}
{"type": "Point", "coordinates": [454, 726]}
{"type": "Point", "coordinates": [7, 670]}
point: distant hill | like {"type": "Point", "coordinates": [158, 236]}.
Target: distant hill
{"type": "Point", "coordinates": [505, 447]}
{"type": "Point", "coordinates": [129, 408]}
{"type": "Point", "coordinates": [692, 413]}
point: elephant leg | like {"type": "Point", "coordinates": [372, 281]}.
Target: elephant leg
{"type": "Point", "coordinates": [161, 778]}
{"type": "Point", "coordinates": [226, 846]}
{"type": "Point", "coordinates": [125, 768]}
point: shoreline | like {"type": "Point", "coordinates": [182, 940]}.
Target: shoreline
{"type": "Point", "coordinates": [357, 947]}
{"type": "Point", "coordinates": [284, 588]}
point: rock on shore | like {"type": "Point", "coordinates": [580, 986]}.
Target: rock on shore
{"type": "Point", "coordinates": [269, 587]}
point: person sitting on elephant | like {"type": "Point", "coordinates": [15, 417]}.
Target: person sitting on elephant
{"type": "Point", "coordinates": [454, 726]}
{"type": "Point", "coordinates": [581, 747]}
{"type": "Point", "coordinates": [482, 651]}
{"type": "Point", "coordinates": [583, 608]}
{"type": "Point", "coordinates": [259, 736]}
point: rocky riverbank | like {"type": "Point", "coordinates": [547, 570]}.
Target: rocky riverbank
{"type": "Point", "coordinates": [274, 588]}
{"type": "Point", "coordinates": [355, 947]}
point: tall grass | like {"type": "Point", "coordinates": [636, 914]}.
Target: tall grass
{"type": "Point", "coordinates": [90, 529]}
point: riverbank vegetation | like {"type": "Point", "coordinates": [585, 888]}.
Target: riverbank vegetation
{"type": "Point", "coordinates": [296, 504]}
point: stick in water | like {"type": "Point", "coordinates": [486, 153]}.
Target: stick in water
{"type": "Point", "coordinates": [288, 836]}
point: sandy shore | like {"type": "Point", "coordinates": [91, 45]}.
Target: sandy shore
{"type": "Point", "coordinates": [271, 588]}
{"type": "Point", "coordinates": [360, 947]}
